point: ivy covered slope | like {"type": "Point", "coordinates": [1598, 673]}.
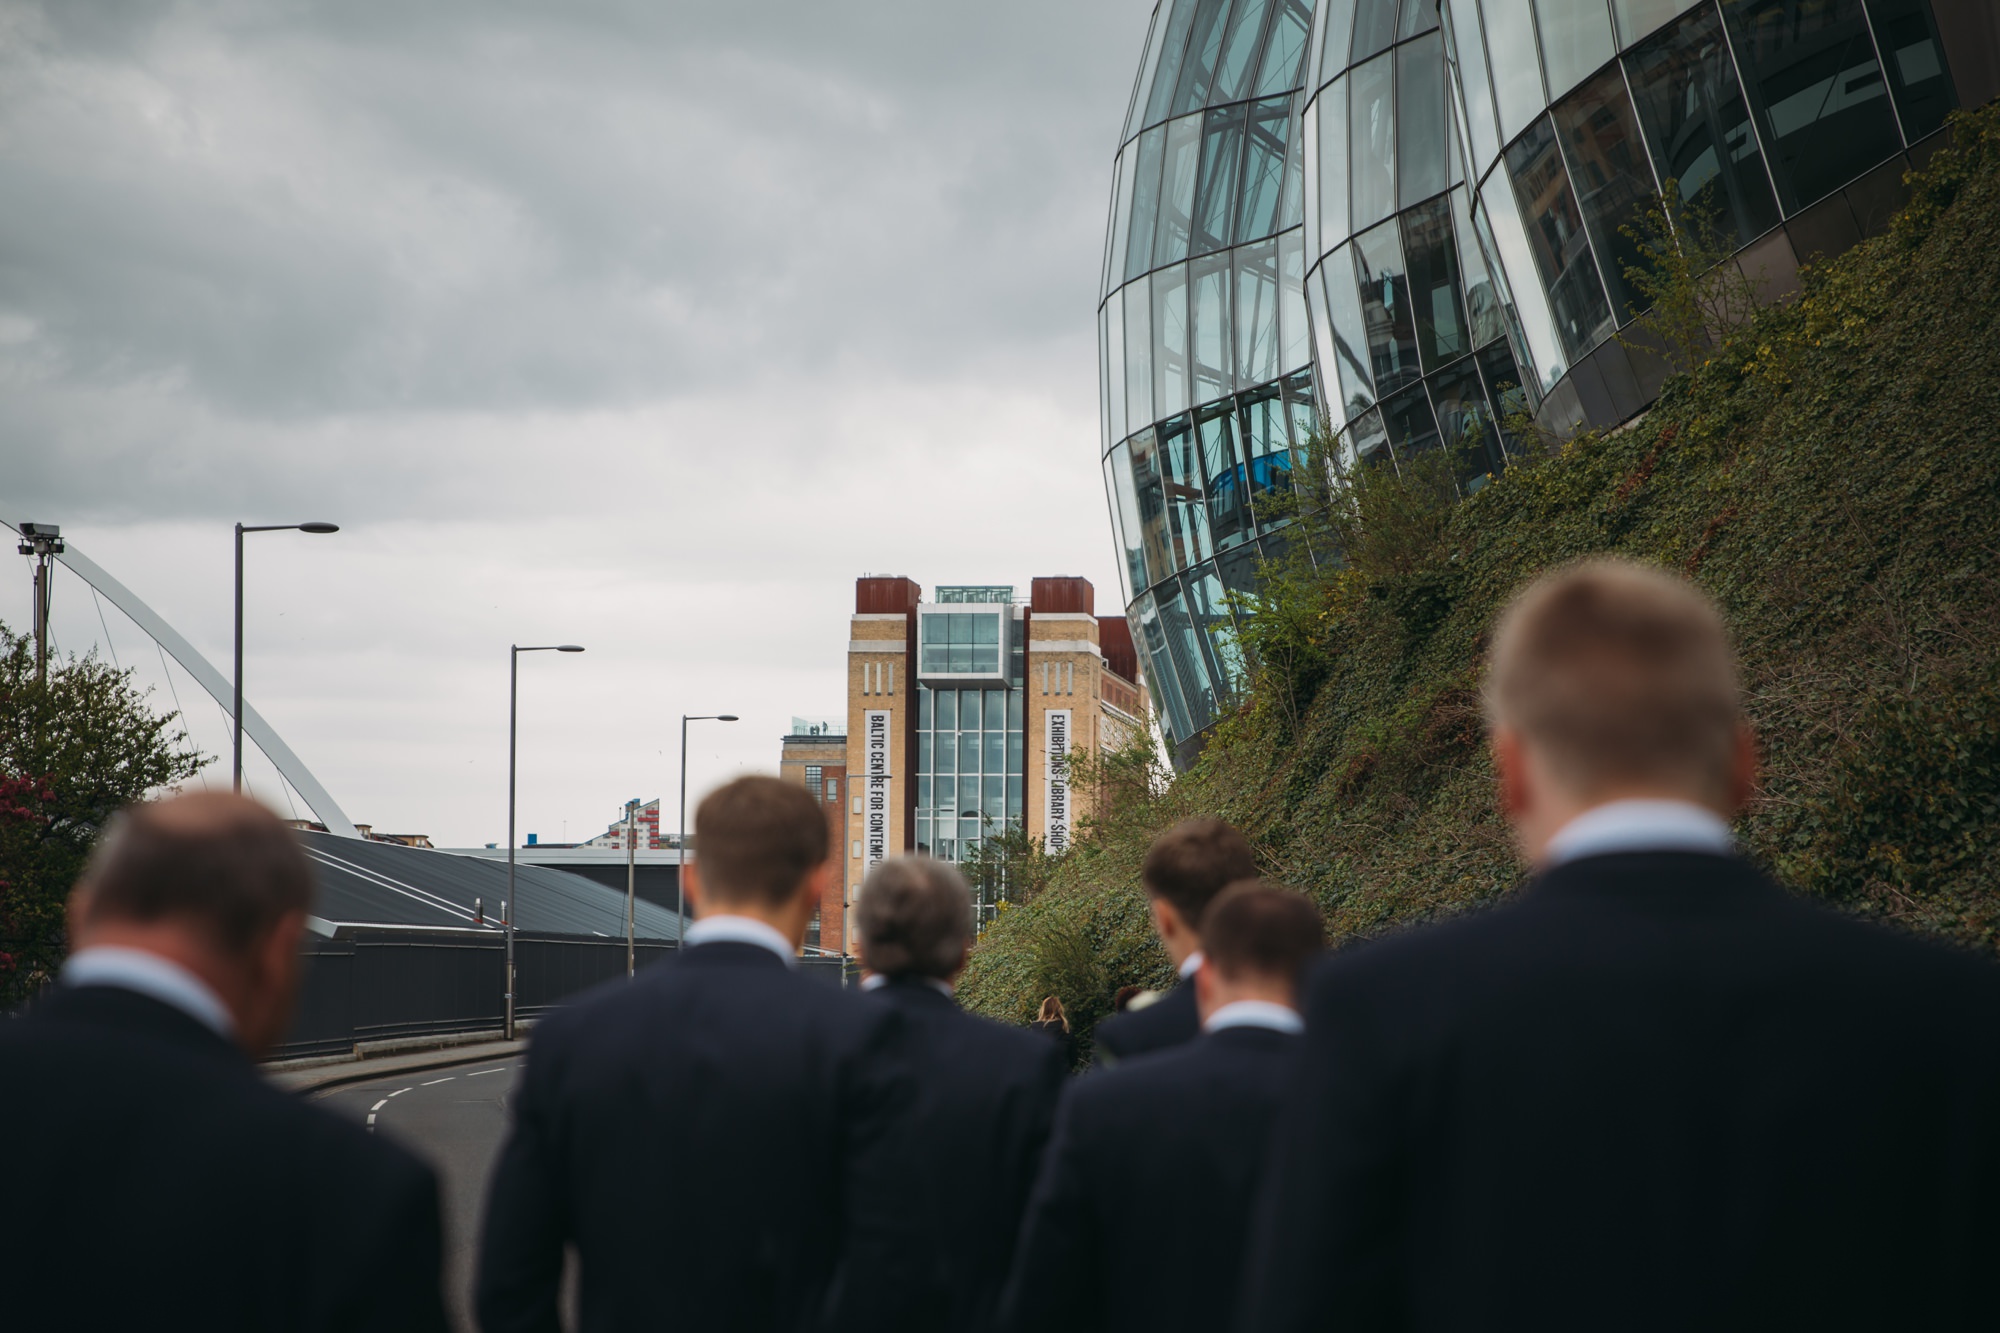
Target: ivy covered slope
{"type": "Point", "coordinates": [1830, 474]}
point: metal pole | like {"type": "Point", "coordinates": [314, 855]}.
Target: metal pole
{"type": "Point", "coordinates": [631, 878]}
{"type": "Point", "coordinates": [509, 910]}
{"type": "Point", "coordinates": [681, 866]}
{"type": "Point", "coordinates": [41, 620]}
{"type": "Point", "coordinates": [236, 712]}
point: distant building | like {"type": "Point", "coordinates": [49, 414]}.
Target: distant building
{"type": "Point", "coordinates": [962, 712]}
{"type": "Point", "coordinates": [649, 832]}
{"type": "Point", "coordinates": [815, 755]}
{"type": "Point", "coordinates": [367, 831]}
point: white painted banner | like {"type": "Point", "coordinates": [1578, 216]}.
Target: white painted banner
{"type": "Point", "coordinates": [1055, 800]}
{"type": "Point", "coordinates": [875, 802]}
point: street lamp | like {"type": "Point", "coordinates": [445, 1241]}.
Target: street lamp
{"type": "Point", "coordinates": [631, 879]}
{"type": "Point", "coordinates": [513, 694]}
{"type": "Point", "coordinates": [680, 870]}
{"type": "Point", "coordinates": [236, 767]}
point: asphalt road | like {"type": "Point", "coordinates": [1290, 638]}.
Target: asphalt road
{"type": "Point", "coordinates": [455, 1119]}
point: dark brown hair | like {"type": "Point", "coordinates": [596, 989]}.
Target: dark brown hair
{"type": "Point", "coordinates": [756, 839]}
{"type": "Point", "coordinates": [1192, 862]}
{"type": "Point", "coordinates": [217, 859]}
{"type": "Point", "coordinates": [1257, 928]}
{"type": "Point", "coordinates": [914, 918]}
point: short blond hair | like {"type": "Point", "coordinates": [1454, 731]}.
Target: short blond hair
{"type": "Point", "coordinates": [1619, 674]}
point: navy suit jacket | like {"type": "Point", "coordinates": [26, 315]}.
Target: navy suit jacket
{"type": "Point", "coordinates": [156, 1180]}
{"type": "Point", "coordinates": [985, 1097]}
{"type": "Point", "coordinates": [1169, 1021]}
{"type": "Point", "coordinates": [720, 1140]}
{"type": "Point", "coordinates": [1654, 1091]}
{"type": "Point", "coordinates": [1146, 1189]}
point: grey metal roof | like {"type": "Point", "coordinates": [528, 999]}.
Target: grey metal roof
{"type": "Point", "coordinates": [387, 884]}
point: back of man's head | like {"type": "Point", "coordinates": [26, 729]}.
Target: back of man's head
{"type": "Point", "coordinates": [1620, 676]}
{"type": "Point", "coordinates": [219, 863]}
{"type": "Point", "coordinates": [1192, 862]}
{"type": "Point", "coordinates": [1257, 930]}
{"type": "Point", "coordinates": [914, 918]}
{"type": "Point", "coordinates": [756, 841]}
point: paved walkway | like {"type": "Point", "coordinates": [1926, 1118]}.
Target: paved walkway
{"type": "Point", "coordinates": [388, 1066]}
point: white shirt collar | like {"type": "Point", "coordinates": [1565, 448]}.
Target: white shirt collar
{"type": "Point", "coordinates": [156, 978]}
{"type": "Point", "coordinates": [1255, 1014]}
{"type": "Point", "coordinates": [1191, 964]}
{"type": "Point", "coordinates": [876, 981]}
{"type": "Point", "coordinates": [723, 928]}
{"type": "Point", "coordinates": [1640, 826]}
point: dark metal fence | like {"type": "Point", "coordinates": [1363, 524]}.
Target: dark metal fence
{"type": "Point", "coordinates": [370, 985]}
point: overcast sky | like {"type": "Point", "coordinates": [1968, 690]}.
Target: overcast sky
{"type": "Point", "coordinates": [647, 326]}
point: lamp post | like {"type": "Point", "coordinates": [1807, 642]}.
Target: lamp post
{"type": "Point", "coordinates": [236, 716]}
{"type": "Point", "coordinates": [680, 870]}
{"type": "Point", "coordinates": [513, 694]}
{"type": "Point", "coordinates": [631, 877]}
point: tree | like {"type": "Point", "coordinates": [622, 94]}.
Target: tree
{"type": "Point", "coordinates": [73, 751]}
{"type": "Point", "coordinates": [1695, 293]}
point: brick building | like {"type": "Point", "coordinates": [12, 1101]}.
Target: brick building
{"type": "Point", "coordinates": [815, 755]}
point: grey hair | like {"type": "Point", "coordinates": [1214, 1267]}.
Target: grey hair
{"type": "Point", "coordinates": [914, 918]}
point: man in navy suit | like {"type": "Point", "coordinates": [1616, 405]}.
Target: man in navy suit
{"type": "Point", "coordinates": [721, 1140]}
{"type": "Point", "coordinates": [1183, 871]}
{"type": "Point", "coordinates": [1137, 1219]}
{"type": "Point", "coordinates": [985, 1093]}
{"type": "Point", "coordinates": [1653, 1090]}
{"type": "Point", "coordinates": [155, 1178]}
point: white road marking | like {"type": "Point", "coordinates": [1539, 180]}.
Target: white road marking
{"type": "Point", "coordinates": [499, 1070]}
{"type": "Point", "coordinates": [397, 1093]}
{"type": "Point", "coordinates": [371, 1122]}
{"type": "Point", "coordinates": [434, 1082]}
{"type": "Point", "coordinates": [376, 1107]}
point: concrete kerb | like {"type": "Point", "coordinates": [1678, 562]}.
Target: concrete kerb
{"type": "Point", "coordinates": [309, 1075]}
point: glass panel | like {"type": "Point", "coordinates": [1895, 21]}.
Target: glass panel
{"type": "Point", "coordinates": [1555, 232]}
{"type": "Point", "coordinates": [924, 765]}
{"type": "Point", "coordinates": [1614, 184]}
{"type": "Point", "coordinates": [1637, 18]}
{"type": "Point", "coordinates": [1104, 386]}
{"type": "Point", "coordinates": [1333, 166]}
{"type": "Point", "coordinates": [1466, 425]}
{"type": "Point", "coordinates": [1125, 507]}
{"type": "Point", "coordinates": [1302, 402]}
{"type": "Point", "coordinates": [1170, 340]}
{"type": "Point", "coordinates": [1284, 45]}
{"type": "Point", "coordinates": [1513, 63]}
{"type": "Point", "coordinates": [1014, 799]}
{"type": "Point", "coordinates": [1506, 244]}
{"type": "Point", "coordinates": [1294, 334]}
{"type": "Point", "coordinates": [996, 715]}
{"type": "Point", "coordinates": [1504, 391]}
{"type": "Point", "coordinates": [1419, 17]}
{"type": "Point", "coordinates": [993, 804]}
{"type": "Point", "coordinates": [968, 752]}
{"type": "Point", "coordinates": [1263, 169]}
{"type": "Point", "coordinates": [1256, 313]}
{"type": "Point", "coordinates": [1187, 511]}
{"type": "Point", "coordinates": [1240, 45]}
{"type": "Point", "coordinates": [1204, 45]}
{"type": "Point", "coordinates": [1423, 154]}
{"type": "Point", "coordinates": [1816, 90]}
{"type": "Point", "coordinates": [1014, 749]}
{"type": "Point", "coordinates": [1113, 316]}
{"type": "Point", "coordinates": [1367, 440]}
{"type": "Point", "coordinates": [1138, 352]}
{"type": "Point", "coordinates": [1228, 498]}
{"type": "Point", "coordinates": [968, 804]}
{"type": "Point", "coordinates": [1223, 657]}
{"type": "Point", "coordinates": [1173, 54]}
{"type": "Point", "coordinates": [1308, 137]}
{"type": "Point", "coordinates": [1215, 191]}
{"type": "Point", "coordinates": [1121, 215]}
{"type": "Point", "coordinates": [1372, 142]}
{"type": "Point", "coordinates": [1576, 40]}
{"type": "Point", "coordinates": [1374, 27]}
{"type": "Point", "coordinates": [1145, 201]}
{"type": "Point", "coordinates": [1148, 486]}
{"type": "Point", "coordinates": [1385, 308]}
{"type": "Point", "coordinates": [1291, 208]}
{"type": "Point", "coordinates": [1016, 703]}
{"type": "Point", "coordinates": [1470, 44]}
{"type": "Point", "coordinates": [1183, 156]}
{"type": "Point", "coordinates": [1267, 450]}
{"type": "Point", "coordinates": [1184, 649]}
{"type": "Point", "coordinates": [1412, 428]}
{"type": "Point", "coordinates": [1910, 48]}
{"type": "Point", "coordinates": [1482, 298]}
{"type": "Point", "coordinates": [1697, 126]}
{"type": "Point", "coordinates": [1211, 326]}
{"type": "Point", "coordinates": [947, 718]}
{"type": "Point", "coordinates": [924, 706]}
{"type": "Point", "coordinates": [1434, 291]}
{"type": "Point", "coordinates": [1350, 331]}
{"type": "Point", "coordinates": [1338, 40]}
{"type": "Point", "coordinates": [1323, 354]}
{"type": "Point", "coordinates": [1160, 674]}
{"type": "Point", "coordinates": [995, 744]}
{"type": "Point", "coordinates": [1156, 34]}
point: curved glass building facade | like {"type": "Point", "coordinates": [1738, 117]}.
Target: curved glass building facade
{"type": "Point", "coordinates": [1402, 217]}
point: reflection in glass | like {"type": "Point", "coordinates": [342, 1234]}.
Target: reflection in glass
{"type": "Point", "coordinates": [1170, 340]}
{"type": "Point", "coordinates": [1291, 204]}
{"type": "Point", "coordinates": [1385, 308]}
{"type": "Point", "coordinates": [1215, 189]}
{"type": "Point", "coordinates": [1332, 113]}
{"type": "Point", "coordinates": [1419, 17]}
{"type": "Point", "coordinates": [1210, 307]}
{"type": "Point", "coordinates": [1637, 18]}
{"type": "Point", "coordinates": [1125, 503]}
{"type": "Point", "coordinates": [1160, 675]}
{"type": "Point", "coordinates": [1187, 511]}
{"type": "Point", "coordinates": [1284, 47]}
{"type": "Point", "coordinates": [1465, 424]}
{"type": "Point", "coordinates": [1374, 27]}
{"type": "Point", "coordinates": [1482, 296]}
{"type": "Point", "coordinates": [1138, 352]}
{"type": "Point", "coordinates": [1204, 45]}
{"type": "Point", "coordinates": [1294, 337]}
{"type": "Point", "coordinates": [1576, 39]}
{"type": "Point", "coordinates": [1113, 317]}
{"type": "Point", "coordinates": [1121, 218]}
{"type": "Point", "coordinates": [1222, 656]}
{"type": "Point", "coordinates": [1256, 313]}
{"type": "Point", "coordinates": [1909, 45]}
{"type": "Point", "coordinates": [968, 755]}
{"type": "Point", "coordinates": [1240, 46]}
{"type": "Point", "coordinates": [924, 765]}
{"type": "Point", "coordinates": [1504, 391]}
{"type": "Point", "coordinates": [1184, 648]}
{"type": "Point", "coordinates": [1183, 156]}
{"type": "Point", "coordinates": [1423, 155]}
{"type": "Point", "coordinates": [1697, 126]}
{"type": "Point", "coordinates": [1104, 386]}
{"type": "Point", "coordinates": [1263, 169]}
{"type": "Point", "coordinates": [1173, 53]}
{"type": "Point", "coordinates": [1614, 184]}
{"type": "Point", "coordinates": [1336, 39]}
{"type": "Point", "coordinates": [968, 788]}
{"type": "Point", "coordinates": [1372, 141]}
{"type": "Point", "coordinates": [1434, 286]}
{"type": "Point", "coordinates": [995, 759]}
{"type": "Point", "coordinates": [1228, 497]}
{"type": "Point", "coordinates": [947, 713]}
{"type": "Point", "coordinates": [1816, 90]}
{"type": "Point", "coordinates": [1148, 486]}
{"type": "Point", "coordinates": [1513, 62]}
{"type": "Point", "coordinates": [1156, 33]}
{"type": "Point", "coordinates": [1367, 440]}
{"type": "Point", "coordinates": [1555, 233]}
{"type": "Point", "coordinates": [1350, 330]}
{"type": "Point", "coordinates": [1145, 201]}
{"type": "Point", "coordinates": [1322, 329]}
{"type": "Point", "coordinates": [1302, 402]}
{"type": "Point", "coordinates": [996, 718]}
{"type": "Point", "coordinates": [1469, 43]}
{"type": "Point", "coordinates": [1015, 704]}
{"type": "Point", "coordinates": [1507, 247]}
{"type": "Point", "coordinates": [1412, 428]}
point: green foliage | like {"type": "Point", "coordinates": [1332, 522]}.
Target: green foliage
{"type": "Point", "coordinates": [1691, 286]}
{"type": "Point", "coordinates": [72, 752]}
{"type": "Point", "coordinates": [1827, 473]}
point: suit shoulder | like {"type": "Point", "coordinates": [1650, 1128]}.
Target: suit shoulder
{"type": "Point", "coordinates": [1166, 1022]}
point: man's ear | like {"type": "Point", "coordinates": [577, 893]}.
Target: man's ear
{"type": "Point", "coordinates": [1510, 767]}
{"type": "Point", "coordinates": [1204, 987]}
{"type": "Point", "coordinates": [76, 916]}
{"type": "Point", "coordinates": [1167, 922]}
{"type": "Point", "coordinates": [1743, 769]}
{"type": "Point", "coordinates": [690, 879]}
